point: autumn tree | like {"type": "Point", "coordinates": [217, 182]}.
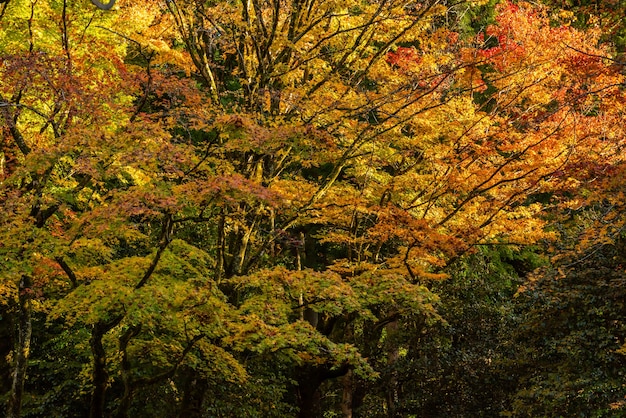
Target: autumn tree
{"type": "Point", "coordinates": [74, 246]}
{"type": "Point", "coordinates": [193, 191]}
{"type": "Point", "coordinates": [423, 146]}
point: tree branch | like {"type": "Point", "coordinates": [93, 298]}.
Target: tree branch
{"type": "Point", "coordinates": [67, 269]}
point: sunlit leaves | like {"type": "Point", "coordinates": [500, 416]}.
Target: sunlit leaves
{"type": "Point", "coordinates": [208, 181]}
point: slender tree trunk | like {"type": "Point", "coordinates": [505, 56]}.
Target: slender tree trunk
{"type": "Point", "coordinates": [359, 390]}
{"type": "Point", "coordinates": [309, 397]}
{"type": "Point", "coordinates": [125, 402]}
{"type": "Point", "coordinates": [7, 345]}
{"type": "Point", "coordinates": [346, 396]}
{"type": "Point", "coordinates": [127, 398]}
{"type": "Point", "coordinates": [243, 249]}
{"type": "Point", "coordinates": [100, 376]}
{"type": "Point", "coordinates": [22, 350]}
{"type": "Point", "coordinates": [221, 247]}
{"type": "Point", "coordinates": [347, 382]}
{"type": "Point", "coordinates": [309, 380]}
{"type": "Point", "coordinates": [392, 388]}
{"type": "Point", "coordinates": [194, 390]}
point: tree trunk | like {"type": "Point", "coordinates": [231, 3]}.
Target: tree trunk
{"type": "Point", "coordinates": [194, 391]}
{"type": "Point", "coordinates": [100, 376]}
{"type": "Point", "coordinates": [346, 396]}
{"type": "Point", "coordinates": [127, 398]}
{"type": "Point", "coordinates": [309, 398]}
{"type": "Point", "coordinates": [7, 345]}
{"type": "Point", "coordinates": [393, 356]}
{"type": "Point", "coordinates": [359, 390]}
{"type": "Point", "coordinates": [348, 381]}
{"type": "Point", "coordinates": [309, 380]}
{"type": "Point", "coordinates": [221, 247]}
{"type": "Point", "coordinates": [22, 350]}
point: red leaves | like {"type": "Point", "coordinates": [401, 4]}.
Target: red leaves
{"type": "Point", "coordinates": [504, 34]}
{"type": "Point", "coordinates": [404, 58]}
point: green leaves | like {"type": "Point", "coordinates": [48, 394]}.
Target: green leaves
{"type": "Point", "coordinates": [570, 333]}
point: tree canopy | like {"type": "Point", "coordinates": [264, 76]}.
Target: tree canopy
{"type": "Point", "coordinates": [311, 208]}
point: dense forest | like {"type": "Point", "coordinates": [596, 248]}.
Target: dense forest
{"type": "Point", "coordinates": [312, 208]}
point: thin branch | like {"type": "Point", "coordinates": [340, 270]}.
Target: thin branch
{"type": "Point", "coordinates": [68, 270]}
{"type": "Point", "coordinates": [170, 372]}
{"type": "Point", "coordinates": [589, 54]}
{"type": "Point", "coordinates": [166, 238]}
